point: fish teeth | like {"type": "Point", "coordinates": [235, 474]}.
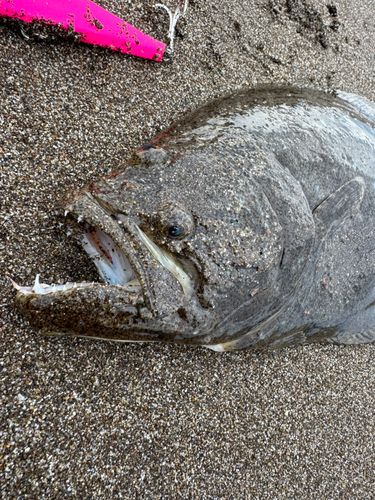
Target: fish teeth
{"type": "Point", "coordinates": [44, 289]}
{"type": "Point", "coordinates": [38, 288]}
{"type": "Point", "coordinates": [26, 290]}
{"type": "Point", "coordinates": [17, 287]}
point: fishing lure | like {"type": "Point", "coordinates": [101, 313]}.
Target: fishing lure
{"type": "Point", "coordinates": [92, 24]}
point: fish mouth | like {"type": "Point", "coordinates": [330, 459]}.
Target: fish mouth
{"type": "Point", "coordinates": [114, 266]}
{"type": "Point", "coordinates": [111, 262]}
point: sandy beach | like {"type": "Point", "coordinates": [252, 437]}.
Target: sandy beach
{"type": "Point", "coordinates": [98, 420]}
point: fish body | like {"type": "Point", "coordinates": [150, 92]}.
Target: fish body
{"type": "Point", "coordinates": [250, 223]}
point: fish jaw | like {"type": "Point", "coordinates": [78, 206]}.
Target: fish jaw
{"type": "Point", "coordinates": [74, 311]}
{"type": "Point", "coordinates": [98, 311]}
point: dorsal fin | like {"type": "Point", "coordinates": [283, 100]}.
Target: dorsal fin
{"type": "Point", "coordinates": [340, 205]}
{"type": "Point", "coordinates": [363, 106]}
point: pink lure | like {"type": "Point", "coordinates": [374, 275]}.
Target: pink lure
{"type": "Point", "coordinates": [96, 25]}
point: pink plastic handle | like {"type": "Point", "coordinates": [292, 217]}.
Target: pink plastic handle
{"type": "Point", "coordinates": [96, 25]}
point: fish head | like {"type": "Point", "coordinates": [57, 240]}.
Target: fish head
{"type": "Point", "coordinates": [189, 251]}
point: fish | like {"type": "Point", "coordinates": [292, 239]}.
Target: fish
{"type": "Point", "coordinates": [249, 223]}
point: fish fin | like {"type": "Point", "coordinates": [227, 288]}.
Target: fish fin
{"type": "Point", "coordinates": [351, 338]}
{"type": "Point", "coordinates": [362, 106]}
{"type": "Point", "coordinates": [340, 205]}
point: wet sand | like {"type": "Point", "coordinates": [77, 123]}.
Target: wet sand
{"type": "Point", "coordinates": [88, 419]}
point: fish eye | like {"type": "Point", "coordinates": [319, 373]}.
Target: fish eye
{"type": "Point", "coordinates": [175, 223]}
{"type": "Point", "coordinates": [176, 231]}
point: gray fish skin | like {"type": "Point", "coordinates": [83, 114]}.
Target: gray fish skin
{"type": "Point", "coordinates": [273, 191]}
